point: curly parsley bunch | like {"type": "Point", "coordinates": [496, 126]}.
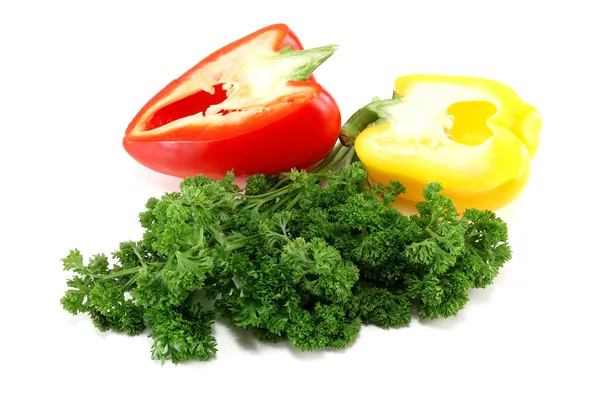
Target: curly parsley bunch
{"type": "Point", "coordinates": [305, 257]}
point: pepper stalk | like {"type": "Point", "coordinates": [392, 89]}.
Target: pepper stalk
{"type": "Point", "coordinates": [343, 153]}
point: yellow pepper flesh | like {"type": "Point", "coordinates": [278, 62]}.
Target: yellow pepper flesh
{"type": "Point", "coordinates": [475, 136]}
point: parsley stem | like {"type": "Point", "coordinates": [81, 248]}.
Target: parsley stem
{"type": "Point", "coordinates": [124, 272]}
{"type": "Point", "coordinates": [239, 242]}
{"type": "Point", "coordinates": [282, 181]}
{"type": "Point", "coordinates": [343, 155]}
{"type": "Point", "coordinates": [293, 202]}
{"type": "Point", "coordinates": [280, 202]}
{"type": "Point", "coordinates": [138, 254]}
{"type": "Point", "coordinates": [271, 194]}
{"type": "Point", "coordinates": [332, 154]}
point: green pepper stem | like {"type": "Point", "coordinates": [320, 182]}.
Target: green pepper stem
{"type": "Point", "coordinates": [302, 63]}
{"type": "Point", "coordinates": [374, 112]}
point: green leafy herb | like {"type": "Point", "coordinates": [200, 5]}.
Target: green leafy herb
{"type": "Point", "coordinates": [303, 257]}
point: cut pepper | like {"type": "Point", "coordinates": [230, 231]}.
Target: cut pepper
{"type": "Point", "coordinates": [251, 107]}
{"type": "Point", "coordinates": [475, 136]}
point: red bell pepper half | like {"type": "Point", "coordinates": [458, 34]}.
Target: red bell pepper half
{"type": "Point", "coordinates": [251, 107]}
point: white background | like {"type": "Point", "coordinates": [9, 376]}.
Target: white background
{"type": "Point", "coordinates": [73, 74]}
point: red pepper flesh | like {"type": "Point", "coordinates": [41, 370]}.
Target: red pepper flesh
{"type": "Point", "coordinates": [237, 110]}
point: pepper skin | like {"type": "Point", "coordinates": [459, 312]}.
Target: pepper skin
{"type": "Point", "coordinates": [475, 136]}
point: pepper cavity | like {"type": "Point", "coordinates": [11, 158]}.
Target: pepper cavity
{"type": "Point", "coordinates": [194, 104]}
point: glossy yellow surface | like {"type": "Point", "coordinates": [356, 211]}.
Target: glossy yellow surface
{"type": "Point", "coordinates": [475, 136]}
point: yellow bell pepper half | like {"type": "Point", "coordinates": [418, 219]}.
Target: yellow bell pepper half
{"type": "Point", "coordinates": [474, 136]}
